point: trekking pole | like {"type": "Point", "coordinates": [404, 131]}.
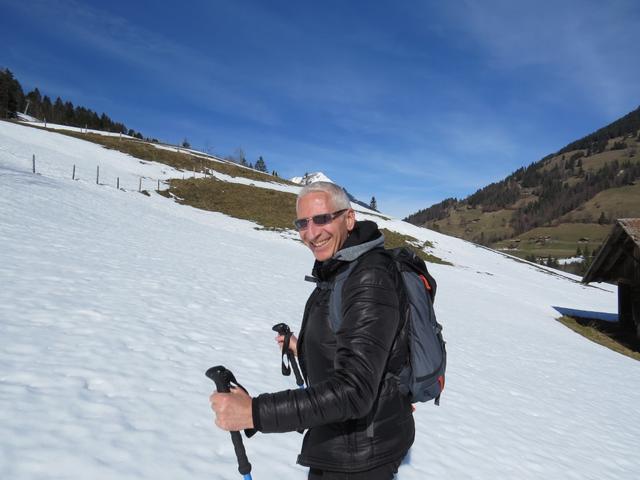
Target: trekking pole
{"type": "Point", "coordinates": [223, 379]}
{"type": "Point", "coordinates": [283, 329]}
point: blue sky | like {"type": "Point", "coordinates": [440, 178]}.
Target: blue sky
{"type": "Point", "coordinates": [410, 101]}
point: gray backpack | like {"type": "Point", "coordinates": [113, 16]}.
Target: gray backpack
{"type": "Point", "coordinates": [423, 376]}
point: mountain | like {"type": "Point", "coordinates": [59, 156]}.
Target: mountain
{"type": "Point", "coordinates": [559, 206]}
{"type": "Point", "coordinates": [114, 303]}
{"type": "Point", "coordinates": [308, 178]}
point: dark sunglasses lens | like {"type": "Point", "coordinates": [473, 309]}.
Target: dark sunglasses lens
{"type": "Point", "coordinates": [301, 223]}
{"type": "Point", "coordinates": [322, 219]}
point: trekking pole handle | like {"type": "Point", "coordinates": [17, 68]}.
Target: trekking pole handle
{"type": "Point", "coordinates": [284, 330]}
{"type": "Point", "coordinates": [281, 328]}
{"type": "Point", "coordinates": [223, 378]}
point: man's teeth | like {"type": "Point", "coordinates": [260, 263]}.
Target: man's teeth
{"type": "Point", "coordinates": [320, 244]}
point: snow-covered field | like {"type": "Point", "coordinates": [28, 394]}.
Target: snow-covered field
{"type": "Point", "coordinates": [113, 304]}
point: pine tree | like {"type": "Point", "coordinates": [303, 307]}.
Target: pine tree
{"type": "Point", "coordinates": [68, 115]}
{"type": "Point", "coordinates": [373, 205]}
{"type": "Point", "coordinates": [35, 103]}
{"type": "Point", "coordinates": [4, 93]}
{"type": "Point", "coordinates": [602, 219]}
{"type": "Point", "coordinates": [57, 111]}
{"type": "Point", "coordinates": [185, 142]}
{"type": "Point", "coordinates": [11, 94]}
{"type": "Point", "coordinates": [47, 108]}
{"type": "Point", "coordinates": [261, 166]}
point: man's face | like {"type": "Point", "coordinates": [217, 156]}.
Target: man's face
{"type": "Point", "coordinates": [323, 240]}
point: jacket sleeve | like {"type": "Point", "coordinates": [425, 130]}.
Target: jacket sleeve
{"type": "Point", "coordinates": [371, 318]}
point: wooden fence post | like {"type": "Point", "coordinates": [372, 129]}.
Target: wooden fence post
{"type": "Point", "coordinates": [158, 184]}
{"type": "Point", "coordinates": [73, 175]}
{"type": "Point", "coordinates": [140, 185]}
{"type": "Point", "coordinates": [118, 183]}
{"type": "Point", "coordinates": [98, 175]}
{"type": "Point", "coordinates": [34, 163]}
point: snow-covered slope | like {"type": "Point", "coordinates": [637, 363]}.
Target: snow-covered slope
{"type": "Point", "coordinates": [28, 120]}
{"type": "Point", "coordinates": [113, 304]}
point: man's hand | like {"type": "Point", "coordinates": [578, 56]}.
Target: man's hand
{"type": "Point", "coordinates": [232, 410]}
{"type": "Point", "coordinates": [293, 343]}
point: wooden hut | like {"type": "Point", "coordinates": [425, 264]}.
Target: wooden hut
{"type": "Point", "coordinates": [618, 261]}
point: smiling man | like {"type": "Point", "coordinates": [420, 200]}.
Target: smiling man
{"type": "Point", "coordinates": [359, 424]}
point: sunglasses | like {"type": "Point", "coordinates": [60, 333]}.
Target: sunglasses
{"type": "Point", "coordinates": [322, 219]}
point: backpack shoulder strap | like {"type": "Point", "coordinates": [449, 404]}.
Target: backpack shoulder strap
{"type": "Point", "coordinates": [335, 299]}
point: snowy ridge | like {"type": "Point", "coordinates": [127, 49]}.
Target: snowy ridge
{"type": "Point", "coordinates": [310, 178]}
{"type": "Point", "coordinates": [113, 304]}
{"type": "Point", "coordinates": [26, 119]}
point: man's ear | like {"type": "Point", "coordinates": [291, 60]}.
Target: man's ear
{"type": "Point", "coordinates": [351, 219]}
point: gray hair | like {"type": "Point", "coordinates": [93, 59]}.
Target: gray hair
{"type": "Point", "coordinates": [338, 196]}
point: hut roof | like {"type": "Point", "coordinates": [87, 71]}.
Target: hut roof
{"type": "Point", "coordinates": [616, 248]}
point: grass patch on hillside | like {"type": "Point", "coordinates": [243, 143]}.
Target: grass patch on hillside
{"type": "Point", "coordinates": [621, 202]}
{"type": "Point", "coordinates": [475, 225]}
{"type": "Point", "coordinates": [182, 160]}
{"type": "Point", "coordinates": [395, 239]}
{"type": "Point", "coordinates": [595, 161]}
{"type": "Point", "coordinates": [607, 334]}
{"type": "Point", "coordinates": [560, 241]}
{"type": "Point", "coordinates": [270, 208]}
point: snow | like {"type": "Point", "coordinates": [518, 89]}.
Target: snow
{"type": "Point", "coordinates": [26, 118]}
{"type": "Point", "coordinates": [113, 304]}
{"type": "Point", "coordinates": [55, 126]}
{"type": "Point", "coordinates": [567, 261]}
{"type": "Point", "coordinates": [310, 178]}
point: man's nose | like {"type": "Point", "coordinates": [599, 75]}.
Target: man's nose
{"type": "Point", "coordinates": [313, 230]}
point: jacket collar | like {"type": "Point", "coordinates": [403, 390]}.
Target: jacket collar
{"type": "Point", "coordinates": [350, 254]}
{"type": "Point", "coordinates": [363, 238]}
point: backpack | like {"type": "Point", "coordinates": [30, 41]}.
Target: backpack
{"type": "Point", "coordinates": [423, 377]}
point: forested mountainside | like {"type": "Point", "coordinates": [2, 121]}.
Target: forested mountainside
{"type": "Point", "coordinates": [557, 205]}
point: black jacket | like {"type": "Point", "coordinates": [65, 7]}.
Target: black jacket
{"type": "Point", "coordinates": [357, 418]}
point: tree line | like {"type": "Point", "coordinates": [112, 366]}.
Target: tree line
{"type": "Point", "coordinates": [432, 213]}
{"type": "Point", "coordinates": [597, 141]}
{"type": "Point", "coordinates": [556, 197]}
{"type": "Point", "coordinates": [13, 100]}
